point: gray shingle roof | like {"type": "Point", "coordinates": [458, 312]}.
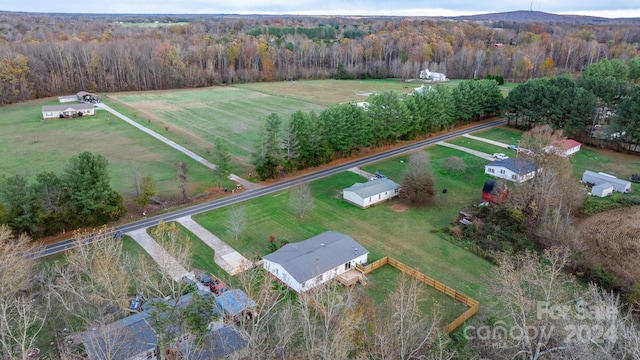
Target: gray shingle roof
{"type": "Point", "coordinates": [234, 301]}
{"type": "Point", "coordinates": [374, 187]}
{"type": "Point", "coordinates": [317, 255]}
{"type": "Point", "coordinates": [518, 166]}
{"type": "Point", "coordinates": [65, 107]}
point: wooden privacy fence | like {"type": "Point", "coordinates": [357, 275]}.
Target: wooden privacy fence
{"type": "Point", "coordinates": [473, 304]}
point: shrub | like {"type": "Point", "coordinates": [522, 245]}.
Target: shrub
{"type": "Point", "coordinates": [453, 164]}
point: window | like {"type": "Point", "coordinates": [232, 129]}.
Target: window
{"type": "Point", "coordinates": [379, 196]}
{"type": "Point", "coordinates": [514, 177]}
{"type": "Point", "coordinates": [397, 190]}
{"type": "Point", "coordinates": [385, 192]}
{"type": "Point", "coordinates": [502, 171]}
{"type": "Point", "coordinates": [492, 170]}
{"type": "Point", "coordinates": [347, 266]}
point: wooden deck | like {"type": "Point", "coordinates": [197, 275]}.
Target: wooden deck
{"type": "Point", "coordinates": [351, 277]}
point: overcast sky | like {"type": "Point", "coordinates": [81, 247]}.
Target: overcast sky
{"type": "Point", "coordinates": [606, 8]}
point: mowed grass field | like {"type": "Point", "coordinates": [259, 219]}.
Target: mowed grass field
{"type": "Point", "coordinates": [196, 117]}
{"type": "Point", "coordinates": [29, 146]}
{"type": "Point", "coordinates": [408, 234]}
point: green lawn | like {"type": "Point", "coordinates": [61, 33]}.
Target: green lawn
{"type": "Point", "coordinates": [29, 146]}
{"type": "Point", "coordinates": [383, 281]}
{"type": "Point", "coordinates": [480, 146]}
{"type": "Point", "coordinates": [201, 258]}
{"type": "Point", "coordinates": [619, 165]}
{"type": "Point", "coordinates": [502, 134]}
{"type": "Point", "coordinates": [406, 235]}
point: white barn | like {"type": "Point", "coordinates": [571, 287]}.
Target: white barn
{"type": "Point", "coordinates": [516, 170]}
{"type": "Point", "coordinates": [66, 111]}
{"type": "Point", "coordinates": [304, 265]}
{"type": "Point", "coordinates": [598, 178]}
{"type": "Point", "coordinates": [371, 192]}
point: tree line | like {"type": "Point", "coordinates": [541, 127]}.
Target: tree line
{"type": "Point", "coordinates": [81, 196]}
{"type": "Point", "coordinates": [47, 55]}
{"type": "Point", "coordinates": [599, 108]}
{"type": "Point", "coordinates": [311, 139]}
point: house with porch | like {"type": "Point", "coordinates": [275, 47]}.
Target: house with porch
{"type": "Point", "coordinates": [309, 263]}
{"type": "Point", "coordinates": [517, 170]}
{"type": "Point", "coordinates": [67, 111]}
{"type": "Point", "coordinates": [371, 193]}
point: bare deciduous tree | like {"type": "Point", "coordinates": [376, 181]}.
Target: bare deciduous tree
{"type": "Point", "coordinates": [237, 220]}
{"type": "Point", "coordinates": [301, 199]}
{"type": "Point", "coordinates": [417, 181]}
{"type": "Point", "coordinates": [21, 320]}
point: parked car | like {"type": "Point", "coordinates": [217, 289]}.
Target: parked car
{"type": "Point", "coordinates": [204, 279]}
{"type": "Point", "coordinates": [500, 156]}
{"type": "Point", "coordinates": [635, 178]}
{"type": "Point", "coordinates": [513, 147]}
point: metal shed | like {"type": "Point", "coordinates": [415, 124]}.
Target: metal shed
{"type": "Point", "coordinates": [602, 190]}
{"type": "Point", "coordinates": [597, 178]}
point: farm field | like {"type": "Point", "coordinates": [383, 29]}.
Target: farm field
{"type": "Point", "coordinates": [30, 146]}
{"type": "Point", "coordinates": [387, 229]}
{"type": "Point", "coordinates": [195, 118]}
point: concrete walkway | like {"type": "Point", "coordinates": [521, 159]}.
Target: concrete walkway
{"type": "Point", "coordinates": [479, 154]}
{"type": "Point", "coordinates": [173, 144]}
{"type": "Point", "coordinates": [361, 172]}
{"type": "Point", "coordinates": [225, 256]}
{"type": "Point", "coordinates": [165, 261]}
{"type": "Point", "coordinates": [493, 142]}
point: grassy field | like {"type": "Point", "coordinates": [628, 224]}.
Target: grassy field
{"type": "Point", "coordinates": [29, 146]}
{"type": "Point", "coordinates": [480, 146]}
{"type": "Point", "coordinates": [502, 134]}
{"type": "Point", "coordinates": [386, 229]}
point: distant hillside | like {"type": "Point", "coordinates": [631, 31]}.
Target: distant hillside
{"type": "Point", "coordinates": [543, 17]}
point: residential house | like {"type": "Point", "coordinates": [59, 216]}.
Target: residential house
{"type": "Point", "coordinates": [517, 170]}
{"type": "Point", "coordinates": [66, 111]}
{"type": "Point", "coordinates": [309, 263]}
{"type": "Point", "coordinates": [371, 192]}
{"type": "Point", "coordinates": [598, 178]}
{"type": "Point", "coordinates": [566, 147]}
{"type": "Point", "coordinates": [133, 338]}
{"type": "Point", "coordinates": [432, 76]}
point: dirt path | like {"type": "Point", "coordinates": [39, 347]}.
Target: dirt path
{"type": "Point", "coordinates": [366, 175]}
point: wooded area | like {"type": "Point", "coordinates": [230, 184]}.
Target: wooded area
{"type": "Point", "coordinates": [55, 54]}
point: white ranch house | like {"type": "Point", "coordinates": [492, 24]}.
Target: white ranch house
{"type": "Point", "coordinates": [309, 263]}
{"type": "Point", "coordinates": [371, 192]}
{"type": "Point", "coordinates": [564, 148]}
{"type": "Point", "coordinates": [599, 178]}
{"type": "Point", "coordinates": [67, 111]}
{"type": "Point", "coordinates": [516, 170]}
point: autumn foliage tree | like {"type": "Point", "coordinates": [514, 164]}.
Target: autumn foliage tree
{"type": "Point", "coordinates": [417, 181]}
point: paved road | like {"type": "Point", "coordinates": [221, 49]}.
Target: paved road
{"type": "Point", "coordinates": [254, 193]}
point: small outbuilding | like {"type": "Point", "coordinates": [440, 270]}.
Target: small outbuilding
{"type": "Point", "coordinates": [67, 98]}
{"type": "Point", "coordinates": [309, 263]}
{"type": "Point", "coordinates": [235, 304]}
{"type": "Point", "coordinates": [371, 192]}
{"type": "Point", "coordinates": [597, 178]}
{"type": "Point", "coordinates": [67, 111]}
{"type": "Point", "coordinates": [493, 192]}
{"type": "Point", "coordinates": [517, 170]}
{"type": "Point", "coordinates": [602, 190]}
{"type": "Point", "coordinates": [84, 96]}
